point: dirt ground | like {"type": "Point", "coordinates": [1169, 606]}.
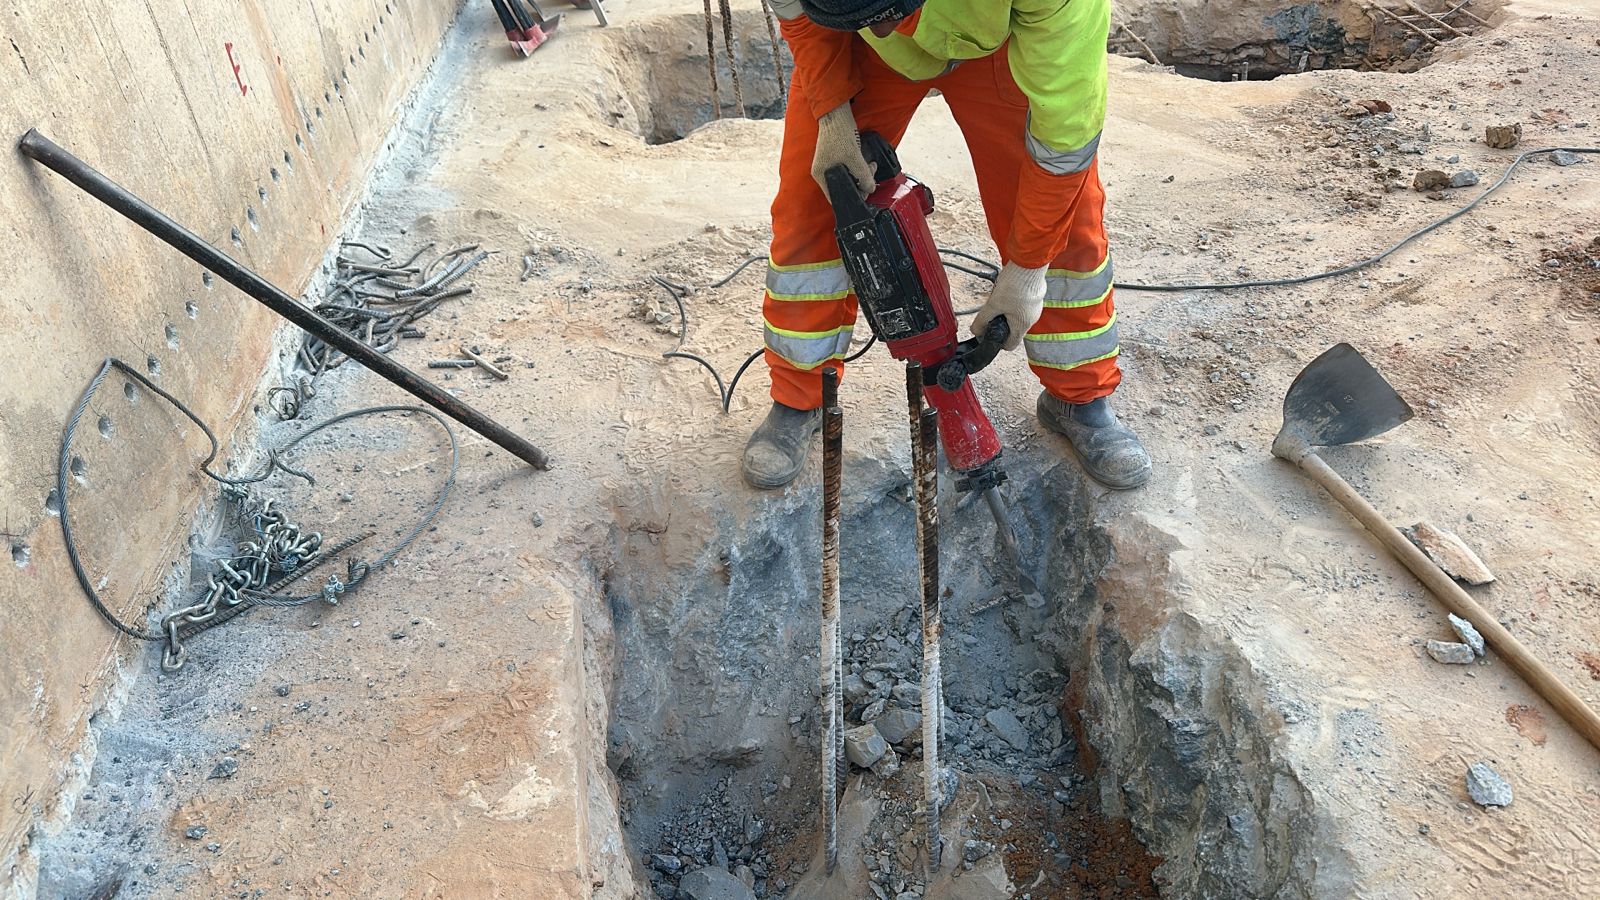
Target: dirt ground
{"type": "Point", "coordinates": [474, 736]}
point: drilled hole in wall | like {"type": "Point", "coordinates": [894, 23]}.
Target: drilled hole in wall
{"type": "Point", "coordinates": [337, 89]}
{"type": "Point", "coordinates": [318, 111]}
{"type": "Point", "coordinates": [172, 335]}
{"type": "Point", "coordinates": [327, 98]}
{"type": "Point", "coordinates": [78, 468]}
{"type": "Point", "coordinates": [251, 217]}
{"type": "Point", "coordinates": [299, 141]}
{"type": "Point", "coordinates": [311, 128]}
{"type": "Point", "coordinates": [191, 309]}
{"type": "Point", "coordinates": [235, 236]}
{"type": "Point", "coordinates": [344, 75]}
{"type": "Point", "coordinates": [275, 175]}
{"type": "Point", "coordinates": [52, 502]}
{"type": "Point", "coordinates": [262, 193]}
{"type": "Point", "coordinates": [206, 280]}
{"type": "Point", "coordinates": [107, 429]}
{"type": "Point", "coordinates": [352, 61]}
{"type": "Point", "coordinates": [131, 392]}
{"type": "Point", "coordinates": [152, 365]}
{"type": "Point", "coordinates": [288, 161]}
{"type": "Point", "coordinates": [19, 553]}
{"type": "Point", "coordinates": [362, 51]}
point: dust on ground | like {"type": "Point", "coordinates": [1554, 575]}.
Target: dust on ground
{"type": "Point", "coordinates": [449, 762]}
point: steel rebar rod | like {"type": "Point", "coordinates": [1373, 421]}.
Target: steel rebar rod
{"type": "Point", "coordinates": [711, 63]}
{"type": "Point", "coordinates": [832, 659]}
{"type": "Point", "coordinates": [924, 423]}
{"type": "Point", "coordinates": [46, 152]}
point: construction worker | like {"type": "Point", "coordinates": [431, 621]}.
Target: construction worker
{"type": "Point", "coordinates": [1026, 82]}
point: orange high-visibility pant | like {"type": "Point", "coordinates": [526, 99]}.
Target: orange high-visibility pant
{"type": "Point", "coordinates": [810, 310]}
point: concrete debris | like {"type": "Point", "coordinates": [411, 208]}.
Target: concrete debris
{"type": "Point", "coordinates": [972, 851]}
{"type": "Point", "coordinates": [1503, 137]}
{"type": "Point", "coordinates": [886, 767]}
{"type": "Point", "coordinates": [1486, 787]}
{"type": "Point", "coordinates": [1565, 158]}
{"type": "Point", "coordinates": [1429, 180]}
{"type": "Point", "coordinates": [281, 690]}
{"type": "Point", "coordinates": [1469, 635]}
{"type": "Point", "coordinates": [1005, 724]}
{"type": "Point", "coordinates": [899, 725]}
{"type": "Point", "coordinates": [1450, 553]}
{"type": "Point", "coordinates": [713, 883]}
{"type": "Point", "coordinates": [1450, 652]}
{"type": "Point", "coordinates": [855, 689]}
{"type": "Point", "coordinates": [864, 746]}
{"type": "Point", "coordinates": [873, 710]}
{"type": "Point", "coordinates": [907, 694]}
{"type": "Point", "coordinates": [1464, 178]}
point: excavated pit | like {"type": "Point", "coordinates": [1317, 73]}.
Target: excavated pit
{"type": "Point", "coordinates": [1076, 744]}
{"type": "Point", "coordinates": [1252, 40]}
{"type": "Point", "coordinates": [665, 82]}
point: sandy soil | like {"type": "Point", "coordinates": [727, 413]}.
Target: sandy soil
{"type": "Point", "coordinates": [449, 735]}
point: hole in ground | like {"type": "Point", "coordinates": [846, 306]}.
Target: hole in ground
{"type": "Point", "coordinates": [716, 724]}
{"type": "Point", "coordinates": [665, 87]}
{"type": "Point", "coordinates": [1256, 40]}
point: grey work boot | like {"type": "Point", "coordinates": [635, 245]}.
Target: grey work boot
{"type": "Point", "coordinates": [777, 451]}
{"type": "Point", "coordinates": [1110, 453]}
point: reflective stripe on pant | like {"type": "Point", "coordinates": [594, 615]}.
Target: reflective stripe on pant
{"type": "Point", "coordinates": [809, 308]}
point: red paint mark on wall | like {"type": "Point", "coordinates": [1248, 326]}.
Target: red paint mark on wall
{"type": "Point", "coordinates": [244, 89]}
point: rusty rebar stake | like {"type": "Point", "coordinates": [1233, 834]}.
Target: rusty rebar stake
{"type": "Point", "coordinates": [924, 423]}
{"type": "Point", "coordinates": [833, 760]}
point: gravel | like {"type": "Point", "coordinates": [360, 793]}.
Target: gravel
{"type": "Point", "coordinates": [1486, 787]}
{"type": "Point", "coordinates": [1450, 652]}
{"type": "Point", "coordinates": [1468, 634]}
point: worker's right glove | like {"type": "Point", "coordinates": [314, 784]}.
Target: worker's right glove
{"type": "Point", "coordinates": [1019, 296]}
{"type": "Point", "coordinates": [839, 144]}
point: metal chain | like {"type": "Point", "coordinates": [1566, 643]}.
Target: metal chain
{"type": "Point", "coordinates": [280, 547]}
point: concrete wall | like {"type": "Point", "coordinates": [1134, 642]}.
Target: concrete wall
{"type": "Point", "coordinates": [254, 123]}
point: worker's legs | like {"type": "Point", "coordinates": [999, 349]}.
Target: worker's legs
{"type": "Point", "coordinates": [809, 310]}
{"type": "Point", "coordinates": [1073, 347]}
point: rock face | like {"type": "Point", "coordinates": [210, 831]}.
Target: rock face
{"type": "Point", "coordinates": [713, 884]}
{"type": "Point", "coordinates": [1175, 708]}
{"type": "Point", "coordinates": [1486, 787]}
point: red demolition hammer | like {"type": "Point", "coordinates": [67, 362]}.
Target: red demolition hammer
{"type": "Point", "coordinates": [900, 282]}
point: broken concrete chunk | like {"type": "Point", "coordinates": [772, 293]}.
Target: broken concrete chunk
{"type": "Point", "coordinates": [855, 689]}
{"type": "Point", "coordinates": [713, 884]}
{"type": "Point", "coordinates": [1565, 158]}
{"type": "Point", "coordinates": [1450, 652]}
{"type": "Point", "coordinates": [1005, 724]}
{"type": "Point", "coordinates": [1503, 137]}
{"type": "Point", "coordinates": [1464, 178]}
{"type": "Point", "coordinates": [864, 745]}
{"type": "Point", "coordinates": [974, 850]}
{"type": "Point", "coordinates": [1429, 180]}
{"type": "Point", "coordinates": [1449, 553]}
{"type": "Point", "coordinates": [1469, 635]}
{"type": "Point", "coordinates": [899, 725]}
{"type": "Point", "coordinates": [1486, 787]}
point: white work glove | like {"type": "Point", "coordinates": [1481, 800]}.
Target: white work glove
{"type": "Point", "coordinates": [1019, 296]}
{"type": "Point", "coordinates": [838, 144]}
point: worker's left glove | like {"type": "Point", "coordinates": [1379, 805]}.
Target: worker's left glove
{"type": "Point", "coordinates": [1019, 296]}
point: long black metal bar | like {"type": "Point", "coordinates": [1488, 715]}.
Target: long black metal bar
{"type": "Point", "coordinates": [45, 151]}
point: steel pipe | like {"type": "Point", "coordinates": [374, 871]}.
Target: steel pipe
{"type": "Point", "coordinates": [46, 152]}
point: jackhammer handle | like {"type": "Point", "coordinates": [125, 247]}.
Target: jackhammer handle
{"type": "Point", "coordinates": [1555, 692]}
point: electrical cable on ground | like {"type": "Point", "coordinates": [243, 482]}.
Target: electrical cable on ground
{"type": "Point", "coordinates": [237, 592]}
{"type": "Point", "coordinates": [991, 271]}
